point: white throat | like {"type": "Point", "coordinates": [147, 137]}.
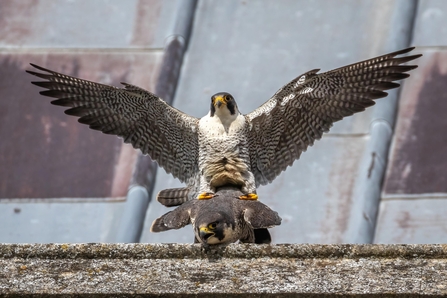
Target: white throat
{"type": "Point", "coordinates": [225, 117]}
{"type": "Point", "coordinates": [222, 123]}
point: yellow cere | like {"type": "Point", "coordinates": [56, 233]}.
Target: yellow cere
{"type": "Point", "coordinates": [219, 98]}
{"type": "Point", "coordinates": [204, 229]}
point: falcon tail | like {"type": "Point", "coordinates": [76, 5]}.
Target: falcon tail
{"type": "Point", "coordinates": [173, 196]}
{"type": "Point", "coordinates": [262, 236]}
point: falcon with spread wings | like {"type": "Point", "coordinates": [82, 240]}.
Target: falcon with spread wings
{"type": "Point", "coordinates": [226, 147]}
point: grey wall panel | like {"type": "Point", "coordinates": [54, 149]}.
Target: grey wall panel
{"type": "Point", "coordinates": [417, 160]}
{"type": "Point", "coordinates": [431, 23]}
{"type": "Point", "coordinates": [419, 221]}
{"type": "Point", "coordinates": [413, 203]}
{"type": "Point", "coordinates": [86, 24]}
{"type": "Point", "coordinates": [61, 221]}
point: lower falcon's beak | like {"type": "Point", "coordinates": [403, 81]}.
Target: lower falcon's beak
{"type": "Point", "coordinates": [205, 233]}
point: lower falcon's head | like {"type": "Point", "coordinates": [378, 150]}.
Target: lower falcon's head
{"type": "Point", "coordinates": [223, 105]}
{"type": "Point", "coordinates": [214, 228]}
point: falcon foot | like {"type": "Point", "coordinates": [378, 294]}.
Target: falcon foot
{"type": "Point", "coordinates": [205, 196]}
{"type": "Point", "coordinates": [249, 196]}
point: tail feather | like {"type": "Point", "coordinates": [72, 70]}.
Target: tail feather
{"type": "Point", "coordinates": [262, 236]}
{"type": "Point", "coordinates": [173, 196]}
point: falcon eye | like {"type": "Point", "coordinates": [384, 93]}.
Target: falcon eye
{"type": "Point", "coordinates": [212, 226]}
{"type": "Point", "coordinates": [227, 97]}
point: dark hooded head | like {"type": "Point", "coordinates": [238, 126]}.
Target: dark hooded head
{"type": "Point", "coordinates": [215, 228]}
{"type": "Point", "coordinates": [223, 103]}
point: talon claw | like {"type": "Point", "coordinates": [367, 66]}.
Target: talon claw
{"type": "Point", "coordinates": [205, 196]}
{"type": "Point", "coordinates": [249, 196]}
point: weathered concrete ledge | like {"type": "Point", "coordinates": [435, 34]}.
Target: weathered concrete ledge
{"type": "Point", "coordinates": [244, 270]}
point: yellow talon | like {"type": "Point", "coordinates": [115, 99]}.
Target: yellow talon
{"type": "Point", "coordinates": [205, 196]}
{"type": "Point", "coordinates": [249, 196]}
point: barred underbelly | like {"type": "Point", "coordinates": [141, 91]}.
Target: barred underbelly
{"type": "Point", "coordinates": [226, 171]}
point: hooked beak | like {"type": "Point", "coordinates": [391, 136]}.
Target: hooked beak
{"type": "Point", "coordinates": [205, 233]}
{"type": "Point", "coordinates": [219, 101]}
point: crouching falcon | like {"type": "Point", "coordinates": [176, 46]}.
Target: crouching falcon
{"type": "Point", "coordinates": [226, 147]}
{"type": "Point", "coordinates": [222, 220]}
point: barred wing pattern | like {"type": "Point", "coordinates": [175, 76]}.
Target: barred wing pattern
{"type": "Point", "coordinates": [167, 135]}
{"type": "Point", "coordinates": [298, 114]}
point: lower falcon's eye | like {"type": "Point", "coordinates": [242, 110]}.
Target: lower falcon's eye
{"type": "Point", "coordinates": [212, 226]}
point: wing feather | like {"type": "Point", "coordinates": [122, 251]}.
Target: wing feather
{"type": "Point", "coordinates": [142, 119]}
{"type": "Point", "coordinates": [301, 111]}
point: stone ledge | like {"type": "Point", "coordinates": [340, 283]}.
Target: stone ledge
{"type": "Point", "coordinates": [123, 270]}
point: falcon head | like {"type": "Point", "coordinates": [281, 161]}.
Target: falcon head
{"type": "Point", "coordinates": [214, 228]}
{"type": "Point", "coordinates": [223, 105]}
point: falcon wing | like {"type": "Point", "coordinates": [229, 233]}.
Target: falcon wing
{"type": "Point", "coordinates": [298, 114]}
{"type": "Point", "coordinates": [138, 116]}
{"type": "Point", "coordinates": [175, 219]}
{"type": "Point", "coordinates": [259, 216]}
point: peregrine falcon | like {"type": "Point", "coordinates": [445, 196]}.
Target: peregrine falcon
{"type": "Point", "coordinates": [226, 147]}
{"type": "Point", "coordinates": [224, 219]}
